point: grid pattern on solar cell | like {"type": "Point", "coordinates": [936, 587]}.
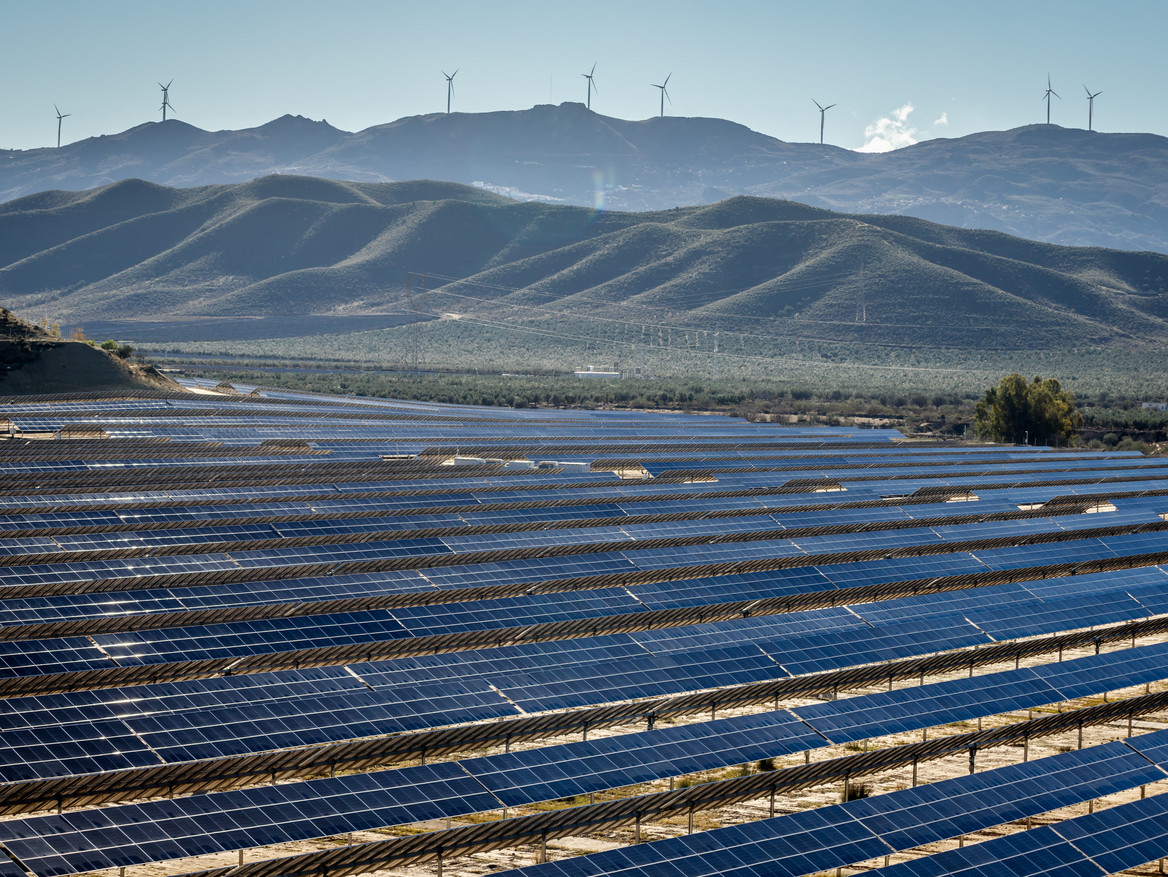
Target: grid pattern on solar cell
{"type": "Point", "coordinates": [1109, 841]}
{"type": "Point", "coordinates": [105, 730]}
{"type": "Point", "coordinates": [830, 837]}
{"type": "Point", "coordinates": [261, 816]}
{"type": "Point", "coordinates": [577, 768]}
{"type": "Point", "coordinates": [214, 719]}
{"type": "Point", "coordinates": [462, 686]}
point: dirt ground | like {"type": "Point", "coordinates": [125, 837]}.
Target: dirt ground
{"type": "Point", "coordinates": [958, 765]}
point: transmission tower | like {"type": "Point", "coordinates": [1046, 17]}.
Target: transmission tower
{"type": "Point", "coordinates": [715, 364]}
{"type": "Point", "coordinates": [415, 307]}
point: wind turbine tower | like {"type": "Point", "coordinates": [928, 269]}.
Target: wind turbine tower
{"type": "Point", "coordinates": [1090, 105]}
{"type": "Point", "coordinates": [166, 105]}
{"type": "Point", "coordinates": [60, 116]}
{"type": "Point", "coordinates": [1046, 97]}
{"type": "Point", "coordinates": [822, 110]}
{"type": "Point", "coordinates": [591, 84]}
{"type": "Point", "coordinates": [664, 94]}
{"type": "Point", "coordinates": [449, 87]}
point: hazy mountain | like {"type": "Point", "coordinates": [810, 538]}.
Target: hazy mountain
{"type": "Point", "coordinates": [1042, 182]}
{"type": "Point", "coordinates": [294, 245]}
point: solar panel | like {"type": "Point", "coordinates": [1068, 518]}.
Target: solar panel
{"type": "Point", "coordinates": [830, 837]}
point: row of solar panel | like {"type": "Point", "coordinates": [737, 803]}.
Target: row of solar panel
{"type": "Point", "coordinates": [271, 814]}
{"type": "Point", "coordinates": [1144, 509]}
{"type": "Point", "coordinates": [614, 500]}
{"type": "Point", "coordinates": [660, 454]}
{"type": "Point", "coordinates": [832, 837]}
{"type": "Point", "coordinates": [1004, 612]}
{"type": "Point", "coordinates": [634, 555]}
{"type": "Point", "coordinates": [80, 732]}
{"type": "Point", "coordinates": [521, 487]}
{"type": "Point", "coordinates": [156, 542]}
{"type": "Point", "coordinates": [1105, 842]}
{"type": "Point", "coordinates": [659, 595]}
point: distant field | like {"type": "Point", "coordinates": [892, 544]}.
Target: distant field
{"type": "Point", "coordinates": [464, 346]}
{"type": "Point", "coordinates": [235, 328]}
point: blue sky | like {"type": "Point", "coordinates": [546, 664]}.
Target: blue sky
{"type": "Point", "coordinates": [899, 71]}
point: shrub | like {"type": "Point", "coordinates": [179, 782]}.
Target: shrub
{"type": "Point", "coordinates": [1041, 412]}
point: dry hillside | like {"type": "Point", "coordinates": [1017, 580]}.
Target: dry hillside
{"type": "Point", "coordinates": [33, 361]}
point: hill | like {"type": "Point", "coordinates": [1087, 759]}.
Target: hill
{"type": "Point", "coordinates": [34, 361]}
{"type": "Point", "coordinates": [1042, 182]}
{"type": "Point", "coordinates": [293, 245]}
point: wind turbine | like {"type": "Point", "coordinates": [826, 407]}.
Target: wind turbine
{"type": "Point", "coordinates": [449, 87]}
{"type": "Point", "coordinates": [591, 84]}
{"type": "Point", "coordinates": [1090, 104]}
{"type": "Point", "coordinates": [664, 94]}
{"type": "Point", "coordinates": [822, 110]}
{"type": "Point", "coordinates": [60, 116]}
{"type": "Point", "coordinates": [1046, 97]}
{"type": "Point", "coordinates": [166, 98]}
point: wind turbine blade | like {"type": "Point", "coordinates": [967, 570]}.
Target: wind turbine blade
{"type": "Point", "coordinates": [665, 92]}
{"type": "Point", "coordinates": [592, 85]}
{"type": "Point", "coordinates": [1055, 93]}
{"type": "Point", "coordinates": [828, 107]}
{"type": "Point", "coordinates": [666, 82]}
{"type": "Point", "coordinates": [814, 101]}
{"type": "Point", "coordinates": [58, 112]}
{"type": "Point", "coordinates": [455, 73]}
{"type": "Point", "coordinates": [593, 70]}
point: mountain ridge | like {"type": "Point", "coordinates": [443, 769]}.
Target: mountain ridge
{"type": "Point", "coordinates": [285, 245]}
{"type": "Point", "coordinates": [1042, 182]}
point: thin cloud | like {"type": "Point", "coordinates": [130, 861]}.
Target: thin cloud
{"type": "Point", "coordinates": [891, 132]}
{"type": "Point", "coordinates": [941, 122]}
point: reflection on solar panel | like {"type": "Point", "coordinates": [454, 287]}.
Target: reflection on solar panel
{"type": "Point", "coordinates": [208, 585]}
{"type": "Point", "coordinates": [514, 779]}
{"type": "Point", "coordinates": [1108, 842]}
{"type": "Point", "coordinates": [832, 837]}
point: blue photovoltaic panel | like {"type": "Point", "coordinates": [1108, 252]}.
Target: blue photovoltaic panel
{"type": "Point", "coordinates": [1108, 841]}
{"type": "Point", "coordinates": [1121, 837]}
{"type": "Point", "coordinates": [578, 768]}
{"type": "Point", "coordinates": [819, 652]}
{"type": "Point", "coordinates": [809, 841]}
{"type": "Point", "coordinates": [890, 712]}
{"type": "Point", "coordinates": [33, 657]}
{"type": "Point", "coordinates": [1034, 853]}
{"type": "Point", "coordinates": [1126, 667]}
{"type": "Point", "coordinates": [94, 746]}
{"type": "Point", "coordinates": [199, 824]}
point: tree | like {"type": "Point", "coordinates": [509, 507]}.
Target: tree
{"type": "Point", "coordinates": [1040, 412]}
